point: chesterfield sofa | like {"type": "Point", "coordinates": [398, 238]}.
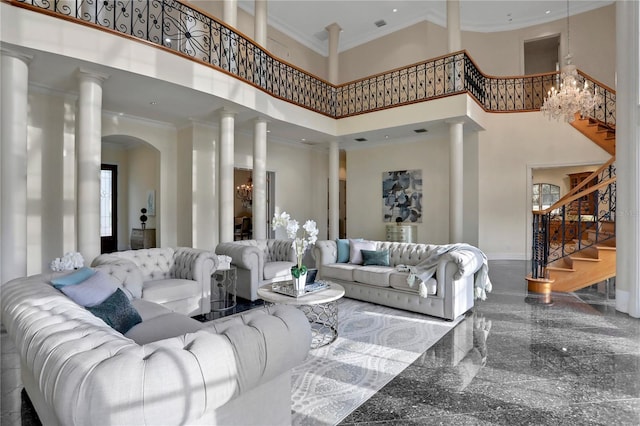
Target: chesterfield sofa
{"type": "Point", "coordinates": [450, 290]}
{"type": "Point", "coordinates": [168, 369]}
{"type": "Point", "coordinates": [179, 279]}
{"type": "Point", "coordinates": [259, 262]}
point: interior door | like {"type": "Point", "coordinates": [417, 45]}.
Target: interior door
{"type": "Point", "coordinates": [108, 208]}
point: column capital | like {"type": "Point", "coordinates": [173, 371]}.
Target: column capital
{"type": "Point", "coordinates": [16, 54]}
{"type": "Point", "coordinates": [85, 74]}
{"type": "Point", "coordinates": [333, 27]}
{"type": "Point", "coordinates": [227, 112]}
{"type": "Point", "coordinates": [261, 120]}
{"type": "Point", "coordinates": [455, 121]}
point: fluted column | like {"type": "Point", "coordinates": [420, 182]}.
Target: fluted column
{"type": "Point", "coordinates": [334, 190]}
{"type": "Point", "coordinates": [456, 187]}
{"type": "Point", "coordinates": [89, 157]}
{"type": "Point", "coordinates": [259, 202]}
{"type": "Point", "coordinates": [227, 127]}
{"type": "Point", "coordinates": [334, 37]}
{"type": "Point", "coordinates": [454, 39]}
{"type": "Point", "coordinates": [13, 158]}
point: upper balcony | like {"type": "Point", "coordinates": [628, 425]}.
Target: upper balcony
{"type": "Point", "coordinates": [229, 57]}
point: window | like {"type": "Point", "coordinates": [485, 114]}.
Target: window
{"type": "Point", "coordinates": [544, 195]}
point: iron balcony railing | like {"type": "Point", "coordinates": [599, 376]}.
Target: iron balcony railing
{"type": "Point", "coordinates": [582, 218]}
{"type": "Point", "coordinates": [193, 34]}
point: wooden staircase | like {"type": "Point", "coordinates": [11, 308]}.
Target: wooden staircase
{"type": "Point", "coordinates": [597, 262]}
{"type": "Point", "coordinates": [600, 133]}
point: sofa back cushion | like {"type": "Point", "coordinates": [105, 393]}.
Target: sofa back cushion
{"type": "Point", "coordinates": [154, 263]}
{"type": "Point", "coordinates": [405, 253]}
{"type": "Point", "coordinates": [279, 251]}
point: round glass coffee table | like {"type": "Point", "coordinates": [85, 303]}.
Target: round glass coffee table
{"type": "Point", "coordinates": [320, 308]}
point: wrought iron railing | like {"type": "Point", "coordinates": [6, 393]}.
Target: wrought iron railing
{"type": "Point", "coordinates": [195, 35]}
{"type": "Point", "coordinates": [582, 218]}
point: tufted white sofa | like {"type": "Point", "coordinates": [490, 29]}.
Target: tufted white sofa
{"type": "Point", "coordinates": [259, 262]}
{"type": "Point", "coordinates": [449, 296]}
{"type": "Point", "coordinates": [179, 279]}
{"type": "Point", "coordinates": [169, 369]}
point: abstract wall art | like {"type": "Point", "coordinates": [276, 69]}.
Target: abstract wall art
{"type": "Point", "coordinates": [402, 196]}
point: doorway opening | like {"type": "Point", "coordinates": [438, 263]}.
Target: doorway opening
{"type": "Point", "coordinates": [542, 55]}
{"type": "Point", "coordinates": [243, 204]}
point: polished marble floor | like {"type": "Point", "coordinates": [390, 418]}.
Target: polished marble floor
{"type": "Point", "coordinates": [512, 361]}
{"type": "Point", "coordinates": [575, 361]}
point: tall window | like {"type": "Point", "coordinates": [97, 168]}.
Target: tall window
{"type": "Point", "coordinates": [108, 208]}
{"type": "Point", "coordinates": [106, 201]}
{"type": "Point", "coordinates": [544, 195]}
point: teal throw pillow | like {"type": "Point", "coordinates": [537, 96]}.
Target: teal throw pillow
{"type": "Point", "coordinates": [76, 277]}
{"type": "Point", "coordinates": [373, 257]}
{"type": "Point", "coordinates": [343, 250]}
{"type": "Point", "coordinates": [92, 291]}
{"type": "Point", "coordinates": [117, 311]}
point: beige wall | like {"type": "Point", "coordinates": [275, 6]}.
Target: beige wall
{"type": "Point", "coordinates": [498, 54]}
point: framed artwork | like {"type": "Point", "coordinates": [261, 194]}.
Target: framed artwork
{"type": "Point", "coordinates": [151, 203]}
{"type": "Point", "coordinates": [402, 196]}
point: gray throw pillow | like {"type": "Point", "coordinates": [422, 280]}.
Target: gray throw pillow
{"type": "Point", "coordinates": [92, 291]}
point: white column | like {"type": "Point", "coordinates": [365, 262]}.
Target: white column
{"type": "Point", "coordinates": [260, 23]}
{"type": "Point", "coordinates": [334, 38]}
{"type": "Point", "coordinates": [14, 77]}
{"type": "Point", "coordinates": [230, 12]}
{"type": "Point", "coordinates": [89, 157]}
{"type": "Point", "coordinates": [334, 190]}
{"type": "Point", "coordinates": [227, 123]}
{"type": "Point", "coordinates": [456, 188]}
{"type": "Point", "coordinates": [628, 159]}
{"type": "Point", "coordinates": [454, 39]}
{"type": "Point", "coordinates": [259, 203]}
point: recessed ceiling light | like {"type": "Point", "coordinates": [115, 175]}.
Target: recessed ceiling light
{"type": "Point", "coordinates": [268, 131]}
{"type": "Point", "coordinates": [303, 140]}
{"type": "Point", "coordinates": [547, 12]}
{"type": "Point", "coordinates": [386, 136]}
{"type": "Point", "coordinates": [153, 103]}
{"type": "Point", "coordinates": [395, 10]}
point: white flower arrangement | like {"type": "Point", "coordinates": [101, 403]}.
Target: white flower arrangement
{"type": "Point", "coordinates": [71, 260]}
{"type": "Point", "coordinates": [300, 244]}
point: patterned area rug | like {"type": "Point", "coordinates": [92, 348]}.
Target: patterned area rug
{"type": "Point", "coordinates": [375, 343]}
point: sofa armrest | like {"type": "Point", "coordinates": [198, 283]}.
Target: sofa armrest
{"type": "Point", "coordinates": [325, 252]}
{"type": "Point", "coordinates": [267, 342]}
{"type": "Point", "coordinates": [243, 256]}
{"type": "Point", "coordinates": [194, 264]}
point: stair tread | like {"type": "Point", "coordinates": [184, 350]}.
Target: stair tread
{"type": "Point", "coordinates": [560, 269]}
{"type": "Point", "coordinates": [584, 259]}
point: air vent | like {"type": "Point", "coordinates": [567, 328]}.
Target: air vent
{"type": "Point", "coordinates": [420, 130]}
{"type": "Point", "coordinates": [380, 23]}
{"type": "Point", "coordinates": [361, 139]}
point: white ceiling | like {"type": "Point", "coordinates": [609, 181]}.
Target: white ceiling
{"type": "Point", "coordinates": [129, 94]}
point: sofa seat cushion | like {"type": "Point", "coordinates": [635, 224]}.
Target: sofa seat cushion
{"type": "Point", "coordinates": [163, 327]}
{"type": "Point", "coordinates": [149, 310]}
{"type": "Point", "coordinates": [399, 280]}
{"type": "Point", "coordinates": [373, 275]}
{"type": "Point", "coordinates": [277, 270]}
{"type": "Point", "coordinates": [338, 271]}
{"type": "Point", "coordinates": [170, 289]}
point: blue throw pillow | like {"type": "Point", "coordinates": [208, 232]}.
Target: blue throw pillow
{"type": "Point", "coordinates": [373, 257]}
{"type": "Point", "coordinates": [73, 278]}
{"type": "Point", "coordinates": [343, 250]}
{"type": "Point", "coordinates": [92, 291]}
{"type": "Point", "coordinates": [117, 311]}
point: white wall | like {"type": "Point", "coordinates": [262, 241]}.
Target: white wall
{"type": "Point", "coordinates": [511, 146]}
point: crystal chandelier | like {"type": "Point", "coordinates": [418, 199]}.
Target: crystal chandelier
{"type": "Point", "coordinates": [570, 98]}
{"type": "Point", "coordinates": [245, 193]}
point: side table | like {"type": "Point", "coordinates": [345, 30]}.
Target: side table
{"type": "Point", "coordinates": [320, 308]}
{"type": "Point", "coordinates": [223, 289]}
